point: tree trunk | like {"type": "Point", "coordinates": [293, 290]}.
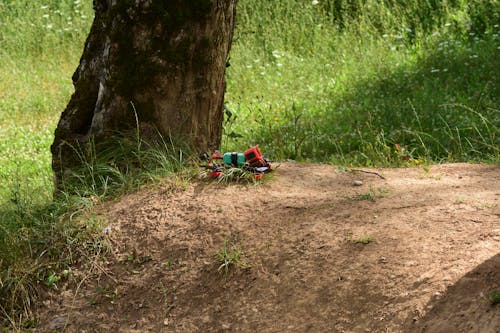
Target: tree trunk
{"type": "Point", "coordinates": [153, 64]}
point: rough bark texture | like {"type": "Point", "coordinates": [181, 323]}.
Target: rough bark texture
{"type": "Point", "coordinates": [167, 58]}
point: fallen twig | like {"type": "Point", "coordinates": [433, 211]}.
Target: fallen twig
{"type": "Point", "coordinates": [365, 171]}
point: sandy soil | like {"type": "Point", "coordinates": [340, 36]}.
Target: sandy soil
{"type": "Point", "coordinates": [432, 256]}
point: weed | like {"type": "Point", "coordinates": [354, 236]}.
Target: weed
{"type": "Point", "coordinates": [52, 279]}
{"type": "Point", "coordinates": [372, 195]}
{"type": "Point", "coordinates": [130, 258]}
{"type": "Point", "coordinates": [365, 196]}
{"type": "Point", "coordinates": [112, 295]}
{"type": "Point", "coordinates": [168, 264]}
{"type": "Point", "coordinates": [107, 292]}
{"type": "Point", "coordinates": [426, 169]}
{"type": "Point", "coordinates": [231, 175]}
{"type": "Point", "coordinates": [494, 297]}
{"type": "Point", "coordinates": [363, 240]}
{"type": "Point", "coordinates": [228, 256]}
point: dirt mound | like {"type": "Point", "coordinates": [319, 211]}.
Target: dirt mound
{"type": "Point", "coordinates": [465, 307]}
{"type": "Point", "coordinates": [321, 252]}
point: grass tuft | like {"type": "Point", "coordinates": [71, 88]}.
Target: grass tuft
{"type": "Point", "coordinates": [372, 195]}
{"type": "Point", "coordinates": [228, 256]}
{"type": "Point", "coordinates": [363, 240]}
{"type": "Point", "coordinates": [494, 297]}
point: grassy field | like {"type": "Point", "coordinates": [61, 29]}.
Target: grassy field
{"type": "Point", "coordinates": [352, 82]}
{"type": "Point", "coordinates": [380, 84]}
{"type": "Point", "coordinates": [40, 44]}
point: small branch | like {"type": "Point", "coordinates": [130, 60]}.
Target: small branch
{"type": "Point", "coordinates": [365, 171]}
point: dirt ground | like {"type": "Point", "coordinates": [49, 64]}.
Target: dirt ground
{"type": "Point", "coordinates": [431, 258]}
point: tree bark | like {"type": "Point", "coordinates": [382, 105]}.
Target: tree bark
{"type": "Point", "coordinates": [149, 64]}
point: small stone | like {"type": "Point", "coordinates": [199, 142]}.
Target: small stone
{"type": "Point", "coordinates": [357, 182]}
{"type": "Point", "coordinates": [165, 322]}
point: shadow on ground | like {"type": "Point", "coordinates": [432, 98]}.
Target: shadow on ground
{"type": "Point", "coordinates": [465, 307]}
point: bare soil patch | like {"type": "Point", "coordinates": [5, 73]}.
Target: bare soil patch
{"type": "Point", "coordinates": [431, 258]}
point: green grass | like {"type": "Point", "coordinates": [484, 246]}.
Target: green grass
{"type": "Point", "coordinates": [362, 82]}
{"type": "Point", "coordinates": [494, 297]}
{"type": "Point", "coordinates": [40, 44]}
{"type": "Point", "coordinates": [372, 195]}
{"type": "Point", "coordinates": [363, 240]}
{"type": "Point", "coordinates": [228, 257]}
{"type": "Point", "coordinates": [41, 239]}
{"type": "Point", "coordinates": [38, 239]}
{"type": "Point", "coordinates": [305, 88]}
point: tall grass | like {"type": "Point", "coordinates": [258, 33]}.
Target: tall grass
{"type": "Point", "coordinates": [346, 81]}
{"type": "Point", "coordinates": [366, 82]}
{"type": "Point", "coordinates": [43, 29]}
{"type": "Point", "coordinates": [41, 241]}
{"type": "Point", "coordinates": [42, 238]}
{"type": "Point", "coordinates": [36, 59]}
{"type": "Point", "coordinates": [40, 44]}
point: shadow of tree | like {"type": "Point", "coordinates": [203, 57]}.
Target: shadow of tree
{"type": "Point", "coordinates": [443, 106]}
{"type": "Point", "coordinates": [464, 307]}
{"type": "Point", "coordinates": [439, 103]}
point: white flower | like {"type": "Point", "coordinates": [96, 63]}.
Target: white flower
{"type": "Point", "coordinates": [315, 2]}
